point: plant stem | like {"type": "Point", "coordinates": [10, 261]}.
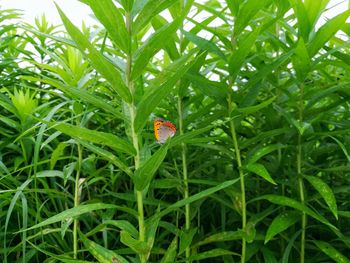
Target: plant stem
{"type": "Point", "coordinates": [302, 200]}
{"type": "Point", "coordinates": [134, 136]}
{"type": "Point", "coordinates": [241, 175]}
{"type": "Point", "coordinates": [185, 174]}
{"type": "Point", "coordinates": [76, 203]}
{"type": "Point", "coordinates": [300, 177]}
{"type": "Point", "coordinates": [184, 152]}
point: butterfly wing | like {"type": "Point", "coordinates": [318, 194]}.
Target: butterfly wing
{"type": "Point", "coordinates": [157, 123]}
{"type": "Point", "coordinates": [166, 130]}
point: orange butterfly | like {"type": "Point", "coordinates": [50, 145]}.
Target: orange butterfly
{"type": "Point", "coordinates": [163, 130]}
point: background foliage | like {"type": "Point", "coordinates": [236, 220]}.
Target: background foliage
{"type": "Point", "coordinates": [257, 172]}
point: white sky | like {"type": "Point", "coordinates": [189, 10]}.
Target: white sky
{"type": "Point", "coordinates": [77, 11]}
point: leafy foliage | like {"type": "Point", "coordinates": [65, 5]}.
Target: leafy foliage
{"type": "Point", "coordinates": [257, 172]}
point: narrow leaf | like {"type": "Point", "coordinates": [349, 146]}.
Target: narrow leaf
{"type": "Point", "coordinates": [112, 19]}
{"type": "Point", "coordinates": [98, 61]}
{"type": "Point", "coordinates": [144, 175]}
{"type": "Point", "coordinates": [161, 88]}
{"type": "Point", "coordinates": [304, 26]}
{"type": "Point", "coordinates": [216, 252]}
{"type": "Point", "coordinates": [138, 246]}
{"type": "Point", "coordinates": [73, 212]}
{"type": "Point", "coordinates": [150, 10]}
{"type": "Point", "coordinates": [155, 42]}
{"type": "Point", "coordinates": [246, 12]}
{"type": "Point", "coordinates": [325, 191]}
{"type": "Point", "coordinates": [281, 223]}
{"type": "Point", "coordinates": [260, 170]}
{"type": "Point", "coordinates": [123, 225]}
{"type": "Point", "coordinates": [255, 108]}
{"type": "Point", "coordinates": [245, 45]}
{"type": "Point", "coordinates": [286, 201]}
{"type": "Point", "coordinates": [186, 237]}
{"type": "Point", "coordinates": [196, 197]}
{"type": "Point", "coordinates": [170, 254]}
{"type": "Point", "coordinates": [301, 60]}
{"type": "Point", "coordinates": [98, 137]}
{"type": "Point", "coordinates": [261, 152]}
{"type": "Point", "coordinates": [102, 254]}
{"type": "Point", "coordinates": [330, 251]}
{"type": "Point", "coordinates": [204, 44]}
{"type": "Point", "coordinates": [107, 156]}
{"type": "Point", "coordinates": [327, 31]}
{"type": "Point", "coordinates": [62, 258]}
{"type": "Point", "coordinates": [220, 237]}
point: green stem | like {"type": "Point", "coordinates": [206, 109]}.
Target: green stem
{"type": "Point", "coordinates": [185, 175]}
{"type": "Point", "coordinates": [241, 176]}
{"type": "Point", "coordinates": [184, 154]}
{"type": "Point", "coordinates": [134, 136]}
{"type": "Point", "coordinates": [300, 177]}
{"type": "Point", "coordinates": [302, 200]}
{"type": "Point", "coordinates": [76, 203]}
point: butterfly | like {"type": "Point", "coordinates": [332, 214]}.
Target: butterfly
{"type": "Point", "coordinates": [163, 130]}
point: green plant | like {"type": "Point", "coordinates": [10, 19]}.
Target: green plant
{"type": "Point", "coordinates": [257, 172]}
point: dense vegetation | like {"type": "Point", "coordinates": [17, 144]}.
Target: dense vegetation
{"type": "Point", "coordinates": [258, 170]}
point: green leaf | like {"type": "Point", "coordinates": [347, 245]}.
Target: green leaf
{"type": "Point", "coordinates": [325, 191]}
{"type": "Point", "coordinates": [102, 254]}
{"type": "Point", "coordinates": [170, 46]}
{"type": "Point", "coordinates": [221, 237]}
{"type": "Point", "coordinates": [327, 31]}
{"type": "Point", "coordinates": [254, 85]}
{"type": "Point", "coordinates": [314, 10]}
{"type": "Point", "coordinates": [246, 12]}
{"type": "Point", "coordinates": [261, 152]}
{"type": "Point", "coordinates": [204, 44]}
{"type": "Point", "coordinates": [216, 252]}
{"type": "Point", "coordinates": [245, 45]}
{"type": "Point", "coordinates": [301, 60]}
{"type": "Point", "coordinates": [162, 87]}
{"type": "Point", "coordinates": [342, 146]}
{"type": "Point", "coordinates": [79, 94]}
{"type": "Point", "coordinates": [213, 89]}
{"type": "Point", "coordinates": [186, 237]}
{"type": "Point", "coordinates": [186, 137]}
{"type": "Point", "coordinates": [233, 6]}
{"type": "Point", "coordinates": [281, 223]}
{"type": "Point", "coordinates": [97, 60]}
{"type": "Point", "coordinates": [249, 232]}
{"type": "Point", "coordinates": [123, 225]}
{"type": "Point", "coordinates": [144, 175]}
{"type": "Point", "coordinates": [112, 19]}
{"type": "Point", "coordinates": [268, 255]}
{"type": "Point", "coordinates": [155, 42]}
{"type": "Point", "coordinates": [260, 170]}
{"type": "Point", "coordinates": [286, 201]}
{"type": "Point", "coordinates": [196, 197]}
{"type": "Point", "coordinates": [62, 258]}
{"type": "Point", "coordinates": [330, 251]}
{"type": "Point", "coordinates": [150, 10]}
{"type": "Point", "coordinates": [170, 254]}
{"type": "Point", "coordinates": [138, 246]}
{"type": "Point", "coordinates": [304, 26]}
{"type": "Point", "coordinates": [290, 246]}
{"type": "Point", "coordinates": [107, 156]}
{"type": "Point", "coordinates": [93, 136]}
{"type": "Point", "coordinates": [93, 99]}
{"type": "Point", "coordinates": [255, 108]}
{"type": "Point", "coordinates": [57, 153]}
{"type": "Point", "coordinates": [72, 212]}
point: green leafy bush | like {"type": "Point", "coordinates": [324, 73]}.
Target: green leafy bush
{"type": "Point", "coordinates": [257, 171]}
